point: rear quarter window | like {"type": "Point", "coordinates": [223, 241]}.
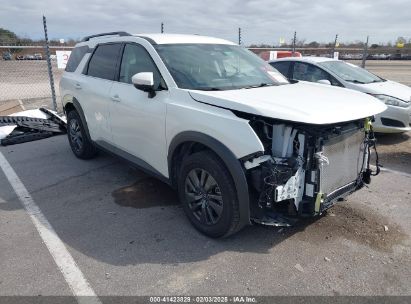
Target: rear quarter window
{"type": "Point", "coordinates": [103, 63]}
{"type": "Point", "coordinates": [75, 58]}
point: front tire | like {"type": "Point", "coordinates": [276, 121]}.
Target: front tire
{"type": "Point", "coordinates": [81, 146]}
{"type": "Point", "coordinates": [208, 194]}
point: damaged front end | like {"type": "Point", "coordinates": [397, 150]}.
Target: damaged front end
{"type": "Point", "coordinates": [305, 169]}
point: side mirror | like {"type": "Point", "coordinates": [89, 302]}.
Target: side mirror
{"type": "Point", "coordinates": [324, 81]}
{"type": "Point", "coordinates": [144, 81]}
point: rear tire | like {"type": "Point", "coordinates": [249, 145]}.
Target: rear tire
{"type": "Point", "coordinates": [208, 194]}
{"type": "Point", "coordinates": [81, 146]}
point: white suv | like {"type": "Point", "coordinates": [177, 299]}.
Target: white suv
{"type": "Point", "coordinates": [238, 142]}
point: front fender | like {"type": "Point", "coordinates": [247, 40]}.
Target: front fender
{"type": "Point", "coordinates": [233, 165]}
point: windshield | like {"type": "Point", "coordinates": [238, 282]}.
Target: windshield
{"type": "Point", "coordinates": [350, 72]}
{"type": "Point", "coordinates": [217, 67]}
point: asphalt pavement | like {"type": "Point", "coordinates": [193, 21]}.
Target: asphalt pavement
{"type": "Point", "coordinates": [127, 235]}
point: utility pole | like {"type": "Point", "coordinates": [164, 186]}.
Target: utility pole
{"type": "Point", "coordinates": [162, 27]}
{"type": "Point", "coordinates": [50, 71]}
{"type": "Point", "coordinates": [294, 42]}
{"type": "Point", "coordinates": [239, 36]}
{"type": "Point", "coordinates": [334, 46]}
{"type": "Point", "coordinates": [364, 55]}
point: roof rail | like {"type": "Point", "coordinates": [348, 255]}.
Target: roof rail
{"type": "Point", "coordinates": [87, 38]}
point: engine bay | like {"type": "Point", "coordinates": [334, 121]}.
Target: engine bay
{"type": "Point", "coordinates": [305, 169]}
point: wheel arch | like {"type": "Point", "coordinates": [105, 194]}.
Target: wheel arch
{"type": "Point", "coordinates": [71, 103]}
{"type": "Point", "coordinates": [189, 142]}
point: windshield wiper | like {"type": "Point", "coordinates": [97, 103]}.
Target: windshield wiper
{"type": "Point", "coordinates": [355, 81]}
{"type": "Point", "coordinates": [258, 85]}
{"type": "Point", "coordinates": [235, 88]}
{"type": "Point", "coordinates": [209, 89]}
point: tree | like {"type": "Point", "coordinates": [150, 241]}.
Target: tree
{"type": "Point", "coordinates": [261, 45]}
{"type": "Point", "coordinates": [300, 42]}
{"type": "Point", "coordinates": [313, 44]}
{"type": "Point", "coordinates": [10, 38]}
{"type": "Point", "coordinates": [7, 36]}
{"type": "Point", "coordinates": [401, 40]}
{"type": "Point", "coordinates": [72, 42]}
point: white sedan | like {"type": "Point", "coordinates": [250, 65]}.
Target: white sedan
{"type": "Point", "coordinates": [396, 96]}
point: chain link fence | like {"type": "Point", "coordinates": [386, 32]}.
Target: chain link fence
{"type": "Point", "coordinates": [24, 76]}
{"type": "Point", "coordinates": [350, 53]}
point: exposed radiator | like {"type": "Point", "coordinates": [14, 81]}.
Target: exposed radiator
{"type": "Point", "coordinates": [345, 156]}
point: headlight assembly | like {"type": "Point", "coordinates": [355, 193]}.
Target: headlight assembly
{"type": "Point", "coordinates": [392, 101]}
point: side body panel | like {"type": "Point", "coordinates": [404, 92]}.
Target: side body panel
{"type": "Point", "coordinates": [95, 101]}
{"type": "Point", "coordinates": [92, 95]}
{"type": "Point", "coordinates": [138, 124]}
{"type": "Point", "coordinates": [186, 114]}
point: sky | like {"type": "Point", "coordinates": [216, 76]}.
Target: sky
{"type": "Point", "coordinates": [261, 21]}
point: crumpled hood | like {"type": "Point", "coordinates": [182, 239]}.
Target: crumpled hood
{"type": "Point", "coordinates": [388, 87]}
{"type": "Point", "coordinates": [309, 103]}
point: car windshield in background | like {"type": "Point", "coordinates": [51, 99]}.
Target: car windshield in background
{"type": "Point", "coordinates": [217, 67]}
{"type": "Point", "coordinates": [350, 72]}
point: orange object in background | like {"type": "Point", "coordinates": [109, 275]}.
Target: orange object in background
{"type": "Point", "coordinates": [270, 55]}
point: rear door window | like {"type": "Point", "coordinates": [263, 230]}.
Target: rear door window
{"type": "Point", "coordinates": [283, 67]}
{"type": "Point", "coordinates": [103, 63]}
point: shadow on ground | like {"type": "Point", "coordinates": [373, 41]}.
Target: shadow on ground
{"type": "Point", "coordinates": [391, 139]}
{"type": "Point", "coordinates": [395, 151]}
{"type": "Point", "coordinates": [145, 193]}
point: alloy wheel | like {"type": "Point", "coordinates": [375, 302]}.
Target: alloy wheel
{"type": "Point", "coordinates": [203, 196]}
{"type": "Point", "coordinates": [75, 135]}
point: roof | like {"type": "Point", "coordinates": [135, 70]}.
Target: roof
{"type": "Point", "coordinates": [155, 38]}
{"type": "Point", "coordinates": [179, 38]}
{"type": "Point", "coordinates": [305, 59]}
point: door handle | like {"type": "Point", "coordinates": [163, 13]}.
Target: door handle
{"type": "Point", "coordinates": [115, 98]}
{"type": "Point", "coordinates": [77, 86]}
